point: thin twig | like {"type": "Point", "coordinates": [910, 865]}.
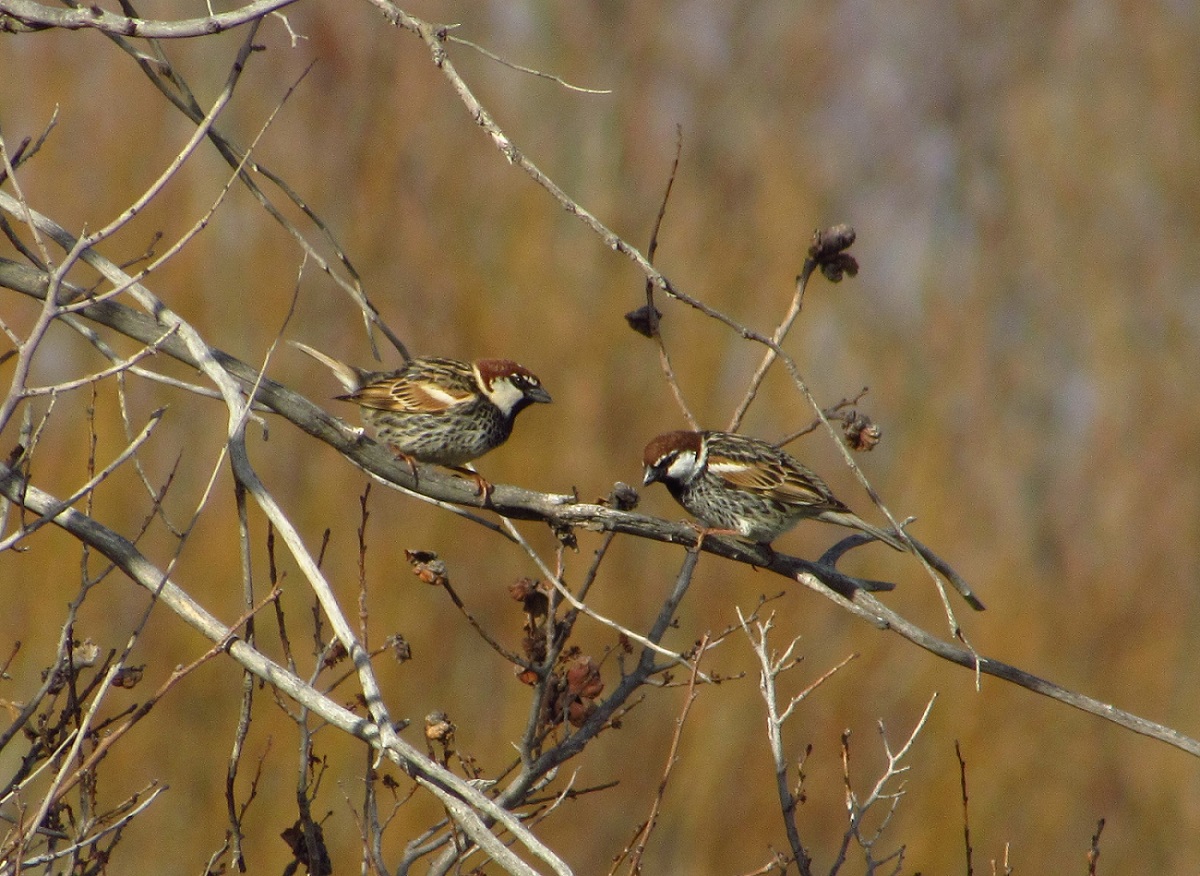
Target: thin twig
{"type": "Point", "coordinates": [768, 359]}
{"type": "Point", "coordinates": [90, 485]}
{"type": "Point", "coordinates": [966, 812]}
{"type": "Point", "coordinates": [117, 368]}
{"type": "Point", "coordinates": [522, 69]}
{"type": "Point", "coordinates": [639, 846]}
{"type": "Point", "coordinates": [584, 609]}
{"type": "Point", "coordinates": [510, 656]}
{"type": "Point", "coordinates": [830, 412]}
{"type": "Point", "coordinates": [1093, 857]}
{"type": "Point", "coordinates": [652, 319]}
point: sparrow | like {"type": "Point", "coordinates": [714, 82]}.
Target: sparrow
{"type": "Point", "coordinates": [439, 411]}
{"type": "Point", "coordinates": [749, 487]}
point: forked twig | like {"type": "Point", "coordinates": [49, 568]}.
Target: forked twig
{"type": "Point", "coordinates": [771, 666]}
{"type": "Point", "coordinates": [881, 792]}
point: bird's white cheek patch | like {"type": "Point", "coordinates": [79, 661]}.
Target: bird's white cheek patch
{"type": "Point", "coordinates": [682, 467]}
{"type": "Point", "coordinates": [504, 395]}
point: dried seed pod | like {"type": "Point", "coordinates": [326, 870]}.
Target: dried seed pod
{"type": "Point", "coordinates": [644, 320]}
{"type": "Point", "coordinates": [428, 567]}
{"type": "Point", "coordinates": [828, 252]}
{"type": "Point", "coordinates": [583, 678]}
{"type": "Point", "coordinates": [128, 677]}
{"type": "Point", "coordinates": [439, 727]}
{"type": "Point", "coordinates": [623, 497]}
{"type": "Point", "coordinates": [861, 433]}
{"type": "Point", "coordinates": [399, 647]}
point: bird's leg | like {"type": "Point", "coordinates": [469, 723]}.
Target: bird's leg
{"type": "Point", "coordinates": [407, 460]}
{"type": "Point", "coordinates": [703, 532]}
{"type": "Point", "coordinates": [481, 485]}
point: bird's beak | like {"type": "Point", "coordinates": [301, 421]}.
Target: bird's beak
{"type": "Point", "coordinates": [538, 394]}
{"type": "Point", "coordinates": [650, 476]}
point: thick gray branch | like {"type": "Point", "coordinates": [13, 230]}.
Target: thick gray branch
{"type": "Point", "coordinates": [28, 15]}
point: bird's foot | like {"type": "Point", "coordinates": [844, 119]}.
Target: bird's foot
{"type": "Point", "coordinates": [406, 459]}
{"type": "Point", "coordinates": [482, 487]}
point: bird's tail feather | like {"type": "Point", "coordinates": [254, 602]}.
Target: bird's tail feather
{"type": "Point", "coordinates": [346, 375]}
{"type": "Point", "coordinates": [893, 539]}
{"type": "Point", "coordinates": [852, 520]}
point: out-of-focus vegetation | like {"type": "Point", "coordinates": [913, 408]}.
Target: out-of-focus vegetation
{"type": "Point", "coordinates": [1026, 189]}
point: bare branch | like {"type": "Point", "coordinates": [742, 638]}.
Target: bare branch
{"type": "Point", "coordinates": [768, 359]}
{"type": "Point", "coordinates": [635, 861]}
{"type": "Point", "coordinates": [966, 812]}
{"type": "Point", "coordinates": [88, 487]}
{"type": "Point", "coordinates": [770, 668]}
{"type": "Point", "coordinates": [36, 16]}
{"type": "Point", "coordinates": [117, 368]}
{"type": "Point", "coordinates": [881, 791]}
{"type": "Point", "coordinates": [522, 69]}
{"type": "Point", "coordinates": [142, 572]}
{"type": "Point", "coordinates": [646, 320]}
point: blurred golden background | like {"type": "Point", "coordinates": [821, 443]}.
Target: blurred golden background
{"type": "Point", "coordinates": [1025, 183]}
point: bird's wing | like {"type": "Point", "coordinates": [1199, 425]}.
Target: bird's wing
{"type": "Point", "coordinates": [772, 480]}
{"type": "Point", "coordinates": [411, 395]}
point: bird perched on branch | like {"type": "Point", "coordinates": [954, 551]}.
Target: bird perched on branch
{"type": "Point", "coordinates": [749, 487]}
{"type": "Point", "coordinates": [746, 486]}
{"type": "Point", "coordinates": [439, 411]}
